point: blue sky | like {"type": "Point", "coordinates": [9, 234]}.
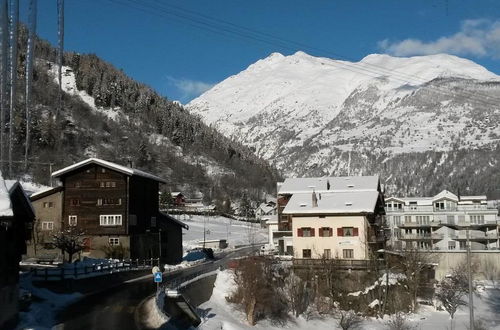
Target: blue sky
{"type": "Point", "coordinates": [181, 48]}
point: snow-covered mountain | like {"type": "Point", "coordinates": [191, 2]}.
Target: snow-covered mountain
{"type": "Point", "coordinates": [306, 114]}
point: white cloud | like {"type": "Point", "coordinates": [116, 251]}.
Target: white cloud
{"type": "Point", "coordinates": [479, 37]}
{"type": "Point", "coordinates": [189, 88]}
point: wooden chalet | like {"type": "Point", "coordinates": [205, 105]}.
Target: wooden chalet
{"type": "Point", "coordinates": [118, 209]}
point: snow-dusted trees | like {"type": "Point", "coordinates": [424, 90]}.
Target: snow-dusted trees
{"type": "Point", "coordinates": [452, 289]}
{"type": "Point", "coordinates": [70, 241]}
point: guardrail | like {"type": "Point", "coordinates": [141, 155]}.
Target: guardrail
{"type": "Point", "coordinates": [78, 271]}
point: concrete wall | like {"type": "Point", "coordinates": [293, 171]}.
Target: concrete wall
{"type": "Point", "coordinates": [98, 244]}
{"type": "Point", "coordinates": [448, 260]}
{"type": "Point", "coordinates": [335, 243]}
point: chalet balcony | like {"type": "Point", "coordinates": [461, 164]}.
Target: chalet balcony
{"type": "Point", "coordinates": [485, 223]}
{"type": "Point", "coordinates": [419, 237]}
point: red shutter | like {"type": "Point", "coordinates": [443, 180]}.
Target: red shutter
{"type": "Point", "coordinates": [340, 232]}
{"type": "Point", "coordinates": [331, 231]}
{"type": "Point", "coordinates": [312, 232]}
{"type": "Point", "coordinates": [320, 234]}
{"type": "Point", "coordinates": [299, 232]}
{"type": "Point", "coordinates": [355, 232]}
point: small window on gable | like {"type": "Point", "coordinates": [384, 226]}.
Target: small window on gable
{"type": "Point", "coordinates": [103, 170]}
{"type": "Point", "coordinates": [114, 241]}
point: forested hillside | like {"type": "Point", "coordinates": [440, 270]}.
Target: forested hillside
{"type": "Point", "coordinates": [124, 121]}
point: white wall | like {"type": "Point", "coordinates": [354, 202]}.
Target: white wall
{"type": "Point", "coordinates": [335, 243]}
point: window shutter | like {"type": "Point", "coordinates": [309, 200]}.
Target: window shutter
{"type": "Point", "coordinates": [299, 232]}
{"type": "Point", "coordinates": [312, 232]}
{"type": "Point", "coordinates": [355, 232]}
{"type": "Point", "coordinates": [320, 234]}
{"type": "Point", "coordinates": [331, 231]}
{"type": "Point", "coordinates": [340, 232]}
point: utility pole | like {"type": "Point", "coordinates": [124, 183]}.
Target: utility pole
{"type": "Point", "coordinates": [29, 74]}
{"type": "Point", "coordinates": [14, 19]}
{"type": "Point", "coordinates": [469, 276]}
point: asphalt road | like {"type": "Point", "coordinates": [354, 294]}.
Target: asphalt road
{"type": "Point", "coordinates": [114, 308]}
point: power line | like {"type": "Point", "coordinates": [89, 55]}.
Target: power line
{"type": "Point", "coordinates": [219, 26]}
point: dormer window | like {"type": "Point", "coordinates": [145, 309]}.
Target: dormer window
{"type": "Point", "coordinates": [303, 205]}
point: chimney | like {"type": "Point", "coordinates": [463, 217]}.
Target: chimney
{"type": "Point", "coordinates": [314, 199]}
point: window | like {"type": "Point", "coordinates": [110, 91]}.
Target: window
{"type": "Point", "coordinates": [78, 184]}
{"type": "Point", "coordinates": [477, 219]}
{"type": "Point", "coordinates": [440, 205]}
{"type": "Point", "coordinates": [99, 201]}
{"type": "Point", "coordinates": [413, 205]}
{"type": "Point", "coordinates": [452, 245]}
{"type": "Point", "coordinates": [347, 231]}
{"type": "Point", "coordinates": [423, 219]}
{"type": "Point", "coordinates": [348, 253]}
{"type": "Point", "coordinates": [110, 220]}
{"type": "Point", "coordinates": [101, 184]}
{"type": "Point", "coordinates": [463, 245]}
{"type": "Point", "coordinates": [325, 232]}
{"type": "Point", "coordinates": [47, 225]}
{"type": "Point", "coordinates": [72, 219]}
{"type": "Point", "coordinates": [110, 184]}
{"type": "Point", "coordinates": [407, 218]}
{"type": "Point", "coordinates": [103, 170]}
{"type": "Point", "coordinates": [48, 204]}
{"type": "Point", "coordinates": [327, 254]}
{"type": "Point", "coordinates": [153, 221]}
{"type": "Point", "coordinates": [397, 233]}
{"type": "Point", "coordinates": [306, 253]}
{"type": "Point", "coordinates": [307, 232]}
{"type": "Point", "coordinates": [75, 202]}
{"type": "Point", "coordinates": [397, 220]}
{"type": "Point", "coordinates": [423, 245]}
{"type": "Point", "coordinates": [114, 241]}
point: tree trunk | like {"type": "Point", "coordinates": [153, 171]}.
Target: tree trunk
{"type": "Point", "coordinates": [251, 312]}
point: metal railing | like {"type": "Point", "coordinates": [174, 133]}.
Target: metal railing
{"type": "Point", "coordinates": [77, 271]}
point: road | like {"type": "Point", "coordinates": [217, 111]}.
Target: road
{"type": "Point", "coordinates": [114, 308]}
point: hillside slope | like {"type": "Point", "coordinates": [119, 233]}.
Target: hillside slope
{"type": "Point", "coordinates": [431, 121]}
{"type": "Point", "coordinates": [107, 114]}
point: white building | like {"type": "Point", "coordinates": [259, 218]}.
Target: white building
{"type": "Point", "coordinates": [325, 216]}
{"type": "Point", "coordinates": [443, 222]}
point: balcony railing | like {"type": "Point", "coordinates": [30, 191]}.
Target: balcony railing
{"type": "Point", "coordinates": [444, 222]}
{"type": "Point", "coordinates": [462, 235]}
{"type": "Point", "coordinates": [425, 236]}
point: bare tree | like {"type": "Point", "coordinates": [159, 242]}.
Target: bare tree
{"type": "Point", "coordinates": [348, 320]}
{"type": "Point", "coordinates": [452, 290]}
{"type": "Point", "coordinates": [298, 291]}
{"type": "Point", "coordinates": [398, 322]}
{"type": "Point", "coordinates": [413, 263]}
{"type": "Point", "coordinates": [70, 241]}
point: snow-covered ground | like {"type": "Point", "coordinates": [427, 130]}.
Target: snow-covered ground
{"type": "Point", "coordinates": [218, 314]}
{"type": "Point", "coordinates": [44, 305]}
{"type": "Point", "coordinates": [216, 227]}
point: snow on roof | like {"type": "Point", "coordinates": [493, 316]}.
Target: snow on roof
{"type": "Point", "coordinates": [44, 193]}
{"type": "Point", "coordinates": [445, 194]}
{"type": "Point", "coordinates": [266, 208]}
{"type": "Point", "coordinates": [332, 184]}
{"type": "Point", "coordinates": [5, 203]}
{"type": "Point", "coordinates": [175, 193]}
{"type": "Point", "coordinates": [110, 165]}
{"type": "Point", "coordinates": [473, 198]}
{"type": "Point", "coordinates": [333, 203]}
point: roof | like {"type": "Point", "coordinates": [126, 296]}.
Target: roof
{"type": "Point", "coordinates": [174, 220]}
{"type": "Point", "coordinates": [5, 203]}
{"type": "Point", "coordinates": [329, 184]}
{"type": "Point", "coordinates": [445, 194]}
{"type": "Point", "coordinates": [119, 168]}
{"type": "Point", "coordinates": [176, 193]}
{"type": "Point", "coordinates": [45, 193]}
{"type": "Point", "coordinates": [266, 208]}
{"type": "Point", "coordinates": [353, 202]}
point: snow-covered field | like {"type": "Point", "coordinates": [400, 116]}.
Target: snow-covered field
{"type": "Point", "coordinates": [216, 227]}
{"type": "Point", "coordinates": [218, 314]}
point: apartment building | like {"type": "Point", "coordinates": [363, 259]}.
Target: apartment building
{"type": "Point", "coordinates": [443, 222]}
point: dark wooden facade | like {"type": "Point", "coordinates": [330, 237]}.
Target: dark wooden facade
{"type": "Point", "coordinates": [94, 189]}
